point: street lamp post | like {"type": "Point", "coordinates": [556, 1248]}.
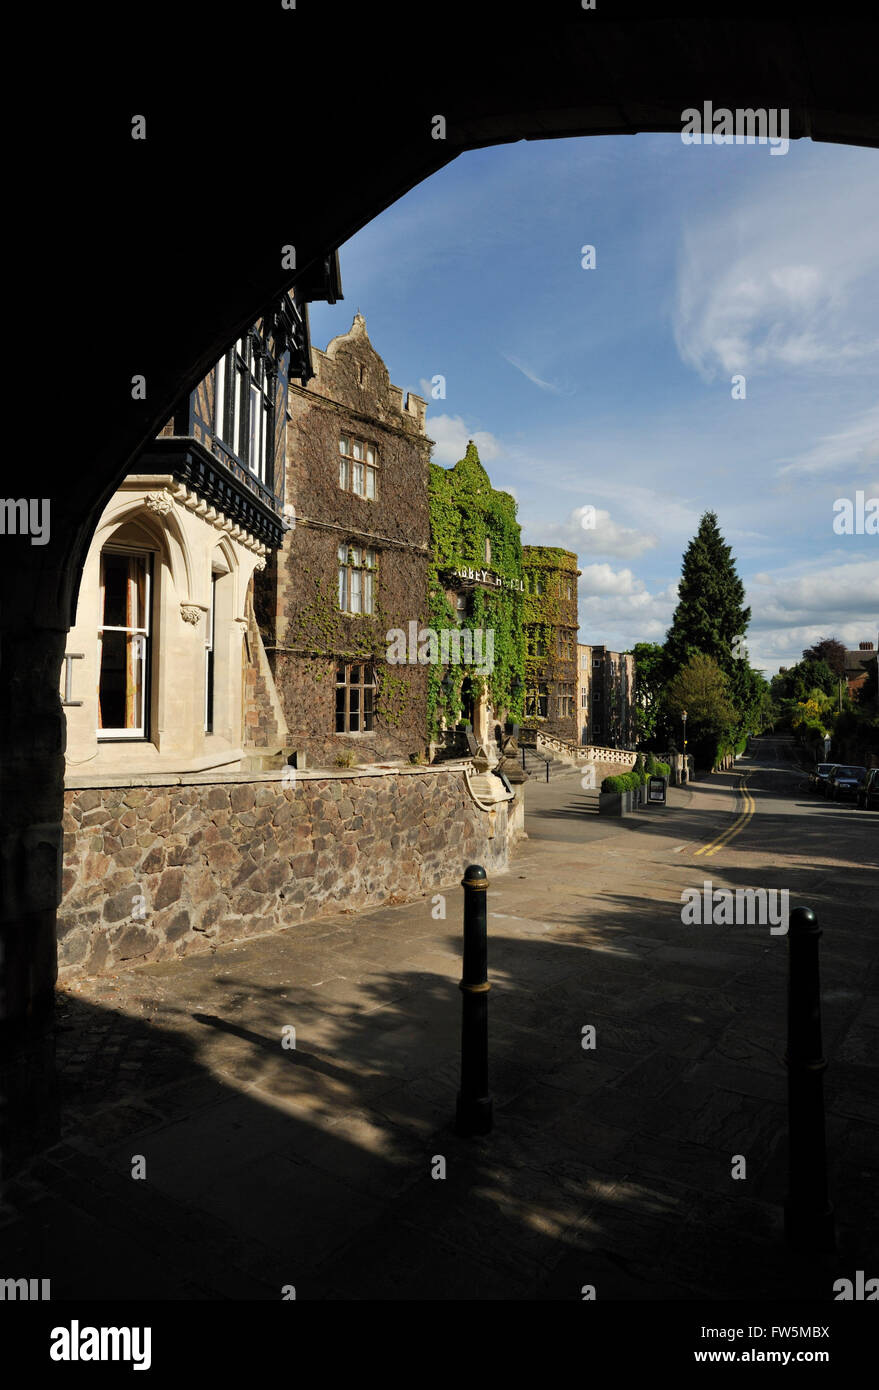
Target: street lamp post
{"type": "Point", "coordinates": [684, 718]}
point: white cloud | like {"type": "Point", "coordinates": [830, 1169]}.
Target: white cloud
{"type": "Point", "coordinates": [844, 594]}
{"type": "Point", "coordinates": [451, 436]}
{"type": "Point", "coordinates": [793, 611]}
{"type": "Point", "coordinates": [606, 537]}
{"type": "Point", "coordinates": [532, 376]}
{"type": "Point", "coordinates": [854, 447]}
{"type": "Point", "coordinates": [785, 280]}
{"type": "Point", "coordinates": [617, 609]}
{"type": "Point", "coordinates": [601, 579]}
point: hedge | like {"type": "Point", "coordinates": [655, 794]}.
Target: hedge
{"type": "Point", "coordinates": [624, 782]}
{"type": "Point", "coordinates": [656, 768]}
{"type": "Point", "coordinates": [640, 773]}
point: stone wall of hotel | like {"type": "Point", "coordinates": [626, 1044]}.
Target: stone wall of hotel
{"type": "Point", "coordinates": [163, 867]}
{"type": "Point", "coordinates": [306, 634]}
{"type": "Point", "coordinates": [264, 724]}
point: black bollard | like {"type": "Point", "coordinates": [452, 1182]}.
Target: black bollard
{"type": "Point", "coordinates": [473, 1113]}
{"type": "Point", "coordinates": [809, 1222]}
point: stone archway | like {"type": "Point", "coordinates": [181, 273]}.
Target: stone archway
{"type": "Point", "coordinates": [163, 281]}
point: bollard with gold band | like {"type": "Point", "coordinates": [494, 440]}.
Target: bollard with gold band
{"type": "Point", "coordinates": [474, 1110]}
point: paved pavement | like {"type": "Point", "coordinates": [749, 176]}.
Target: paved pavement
{"type": "Point", "coordinates": [314, 1166]}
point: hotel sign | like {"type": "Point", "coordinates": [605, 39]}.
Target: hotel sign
{"type": "Point", "coordinates": [487, 579]}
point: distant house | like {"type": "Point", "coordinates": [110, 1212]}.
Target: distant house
{"type": "Point", "coordinates": [856, 664]}
{"type": "Point", "coordinates": [606, 709]}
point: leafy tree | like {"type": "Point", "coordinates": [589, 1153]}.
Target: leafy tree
{"type": "Point", "coordinates": [795, 683]}
{"type": "Point", "coordinates": [710, 613]}
{"type": "Point", "coordinates": [701, 688]}
{"type": "Point", "coordinates": [810, 711]}
{"type": "Point", "coordinates": [830, 650]}
{"type": "Point", "coordinates": [649, 659]}
{"type": "Point", "coordinates": [750, 694]}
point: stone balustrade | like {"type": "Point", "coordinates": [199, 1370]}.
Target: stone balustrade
{"type": "Point", "coordinates": [577, 753]}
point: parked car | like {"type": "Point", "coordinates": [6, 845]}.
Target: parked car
{"type": "Point", "coordinates": [844, 782]}
{"type": "Point", "coordinates": [819, 774]}
{"type": "Point", "coordinates": [868, 791]}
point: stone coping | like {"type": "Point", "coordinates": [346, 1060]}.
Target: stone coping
{"type": "Point", "coordinates": [217, 776]}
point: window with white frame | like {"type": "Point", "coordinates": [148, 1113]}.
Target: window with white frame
{"type": "Point", "coordinates": [243, 406]}
{"type": "Point", "coordinates": [355, 698]}
{"type": "Point", "coordinates": [123, 644]}
{"type": "Point", "coordinates": [358, 467]}
{"type": "Point", "coordinates": [356, 579]}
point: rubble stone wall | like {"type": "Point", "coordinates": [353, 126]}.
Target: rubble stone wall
{"type": "Point", "coordinates": [155, 868]}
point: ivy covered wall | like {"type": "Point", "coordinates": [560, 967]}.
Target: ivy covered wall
{"type": "Point", "coordinates": [465, 512]}
{"type": "Point", "coordinates": [551, 624]}
{"type": "Point", "coordinates": [307, 634]}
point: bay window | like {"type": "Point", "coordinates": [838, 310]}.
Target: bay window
{"type": "Point", "coordinates": [243, 406]}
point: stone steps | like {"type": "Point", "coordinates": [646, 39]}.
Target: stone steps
{"type": "Point", "coordinates": [535, 765]}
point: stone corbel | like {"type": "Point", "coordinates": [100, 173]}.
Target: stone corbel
{"type": "Point", "coordinates": [159, 502]}
{"type": "Point", "coordinates": [191, 612]}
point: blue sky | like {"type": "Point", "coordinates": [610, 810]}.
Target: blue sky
{"type": "Point", "coordinates": [611, 388]}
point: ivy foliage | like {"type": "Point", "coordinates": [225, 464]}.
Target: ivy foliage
{"type": "Point", "coordinates": [324, 630]}
{"type": "Point", "coordinates": [465, 511]}
{"type": "Point", "coordinates": [549, 569]}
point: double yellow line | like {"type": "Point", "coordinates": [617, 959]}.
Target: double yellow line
{"type": "Point", "coordinates": [749, 806]}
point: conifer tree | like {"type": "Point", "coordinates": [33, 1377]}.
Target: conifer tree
{"type": "Point", "coordinates": [710, 613]}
